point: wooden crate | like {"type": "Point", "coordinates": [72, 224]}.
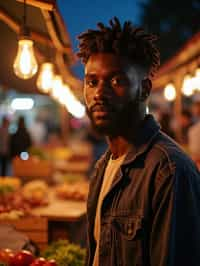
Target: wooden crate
{"type": "Point", "coordinates": [36, 228]}
{"type": "Point", "coordinates": [32, 168]}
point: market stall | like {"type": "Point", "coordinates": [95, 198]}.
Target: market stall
{"type": "Point", "coordinates": [44, 213]}
{"type": "Point", "coordinates": [45, 198]}
{"type": "Point", "coordinates": [180, 76]}
{"type": "Point", "coordinates": [51, 49]}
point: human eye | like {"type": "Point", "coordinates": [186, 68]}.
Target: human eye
{"type": "Point", "coordinates": [91, 82]}
{"type": "Point", "coordinates": [117, 81]}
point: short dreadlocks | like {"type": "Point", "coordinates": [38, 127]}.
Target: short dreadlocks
{"type": "Point", "coordinates": [128, 41]}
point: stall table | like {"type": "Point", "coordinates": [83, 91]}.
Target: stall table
{"type": "Point", "coordinates": [60, 219]}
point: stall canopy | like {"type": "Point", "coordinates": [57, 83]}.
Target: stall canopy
{"type": "Point", "coordinates": [51, 42]}
{"type": "Point", "coordinates": [183, 64]}
{"type": "Point", "coordinates": [185, 61]}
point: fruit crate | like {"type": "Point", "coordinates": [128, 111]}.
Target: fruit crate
{"type": "Point", "coordinates": [32, 169]}
{"type": "Point", "coordinates": [36, 229]}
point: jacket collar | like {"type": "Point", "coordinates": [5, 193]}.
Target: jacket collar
{"type": "Point", "coordinates": [149, 130]}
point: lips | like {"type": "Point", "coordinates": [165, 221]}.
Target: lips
{"type": "Point", "coordinates": [100, 110]}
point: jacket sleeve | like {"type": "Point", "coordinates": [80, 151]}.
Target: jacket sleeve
{"type": "Point", "coordinates": [175, 231]}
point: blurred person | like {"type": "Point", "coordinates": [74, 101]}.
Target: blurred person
{"type": "Point", "coordinates": [54, 139]}
{"type": "Point", "coordinates": [144, 201]}
{"type": "Point", "coordinates": [38, 131]}
{"type": "Point", "coordinates": [4, 145]}
{"type": "Point", "coordinates": [185, 122]}
{"type": "Point", "coordinates": [165, 122]}
{"type": "Point", "coordinates": [195, 109]}
{"type": "Point", "coordinates": [194, 134]}
{"type": "Point", "coordinates": [21, 140]}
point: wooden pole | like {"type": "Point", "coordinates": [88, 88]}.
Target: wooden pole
{"type": "Point", "coordinates": [43, 4]}
{"type": "Point", "coordinates": [178, 106]}
{"type": "Point", "coordinates": [64, 122]}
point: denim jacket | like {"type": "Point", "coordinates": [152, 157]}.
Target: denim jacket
{"type": "Point", "coordinates": [151, 214]}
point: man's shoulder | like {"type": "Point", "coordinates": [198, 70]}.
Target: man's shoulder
{"type": "Point", "coordinates": [166, 152]}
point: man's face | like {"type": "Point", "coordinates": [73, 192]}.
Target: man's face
{"type": "Point", "coordinates": [111, 88]}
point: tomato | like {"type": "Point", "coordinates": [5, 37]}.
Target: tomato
{"type": "Point", "coordinates": [38, 262]}
{"type": "Point", "coordinates": [6, 255]}
{"type": "Point", "coordinates": [22, 258]}
{"type": "Point", "coordinates": [50, 263]}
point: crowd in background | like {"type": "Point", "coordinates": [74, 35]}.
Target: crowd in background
{"type": "Point", "coordinates": [40, 133]}
{"type": "Point", "coordinates": [18, 142]}
{"type": "Point", "coordinates": [189, 125]}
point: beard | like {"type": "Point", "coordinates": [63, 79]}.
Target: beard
{"type": "Point", "coordinates": [103, 126]}
{"type": "Point", "coordinates": [121, 118]}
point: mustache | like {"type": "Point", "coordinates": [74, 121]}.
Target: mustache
{"type": "Point", "coordinates": [96, 105]}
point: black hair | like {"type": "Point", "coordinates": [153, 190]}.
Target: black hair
{"type": "Point", "coordinates": [130, 41]}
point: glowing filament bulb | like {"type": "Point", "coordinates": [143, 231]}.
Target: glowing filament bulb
{"type": "Point", "coordinates": [25, 64]}
{"type": "Point", "coordinates": [45, 78]}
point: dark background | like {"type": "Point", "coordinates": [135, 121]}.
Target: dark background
{"type": "Point", "coordinates": [174, 21]}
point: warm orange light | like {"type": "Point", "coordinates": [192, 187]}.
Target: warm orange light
{"type": "Point", "coordinates": [45, 77]}
{"type": "Point", "coordinates": [170, 92]}
{"type": "Point", "coordinates": [25, 64]}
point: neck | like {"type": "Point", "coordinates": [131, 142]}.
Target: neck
{"type": "Point", "coordinates": [126, 138]}
{"type": "Point", "coordinates": [118, 146]}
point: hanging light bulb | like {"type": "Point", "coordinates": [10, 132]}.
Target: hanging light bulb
{"type": "Point", "coordinates": [45, 77]}
{"type": "Point", "coordinates": [25, 64]}
{"type": "Point", "coordinates": [197, 79]}
{"type": "Point", "coordinates": [71, 103]}
{"type": "Point", "coordinates": [188, 86]}
{"type": "Point", "coordinates": [57, 86]}
{"type": "Point", "coordinates": [170, 92]}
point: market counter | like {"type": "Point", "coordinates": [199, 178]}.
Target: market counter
{"type": "Point", "coordinates": [60, 219]}
{"type": "Point", "coordinates": [63, 210]}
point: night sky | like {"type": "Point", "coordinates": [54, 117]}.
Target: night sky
{"type": "Point", "coordinates": [81, 15]}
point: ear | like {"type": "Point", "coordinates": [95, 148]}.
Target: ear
{"type": "Point", "coordinates": [146, 89]}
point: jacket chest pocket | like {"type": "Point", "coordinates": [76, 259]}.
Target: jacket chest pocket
{"type": "Point", "coordinates": [128, 236]}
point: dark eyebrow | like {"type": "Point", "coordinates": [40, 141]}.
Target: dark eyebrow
{"type": "Point", "coordinates": [111, 74]}
{"type": "Point", "coordinates": [90, 76]}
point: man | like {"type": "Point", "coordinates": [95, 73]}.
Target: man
{"type": "Point", "coordinates": [194, 133]}
{"type": "Point", "coordinates": [144, 200]}
{"type": "Point", "coordinates": [4, 146]}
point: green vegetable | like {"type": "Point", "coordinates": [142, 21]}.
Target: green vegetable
{"type": "Point", "coordinates": [71, 177]}
{"type": "Point", "coordinates": [34, 151]}
{"type": "Point", "coordinates": [3, 263]}
{"type": "Point", "coordinates": [4, 189]}
{"type": "Point", "coordinates": [65, 253]}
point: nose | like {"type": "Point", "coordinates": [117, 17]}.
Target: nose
{"type": "Point", "coordinates": [101, 91]}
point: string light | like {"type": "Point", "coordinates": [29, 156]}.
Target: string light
{"type": "Point", "coordinates": [25, 64]}
{"type": "Point", "coordinates": [170, 92]}
{"type": "Point", "coordinates": [187, 88]}
{"type": "Point", "coordinates": [45, 77]}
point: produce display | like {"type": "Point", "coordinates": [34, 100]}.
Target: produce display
{"type": "Point", "coordinates": [38, 153]}
{"type": "Point", "coordinates": [9, 184]}
{"type": "Point", "coordinates": [59, 153]}
{"type": "Point", "coordinates": [17, 201]}
{"type": "Point", "coordinates": [12, 204]}
{"type": "Point", "coordinates": [59, 253]}
{"type": "Point", "coordinates": [68, 177]}
{"type": "Point", "coordinates": [65, 253]}
{"type": "Point", "coordinates": [70, 190]}
{"type": "Point", "coordinates": [36, 192]}
{"type": "Point", "coordinates": [23, 258]}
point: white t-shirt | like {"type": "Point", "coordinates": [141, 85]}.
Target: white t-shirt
{"type": "Point", "coordinates": [110, 172]}
{"type": "Point", "coordinates": [4, 141]}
